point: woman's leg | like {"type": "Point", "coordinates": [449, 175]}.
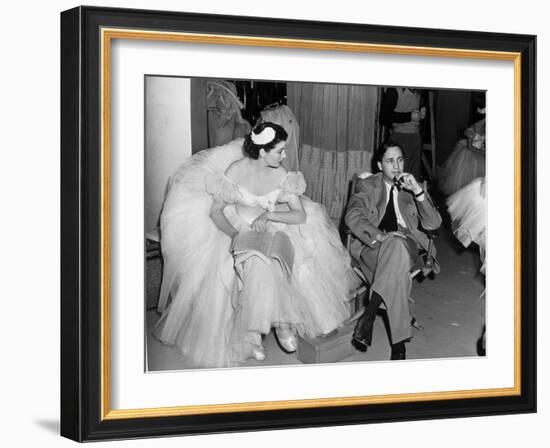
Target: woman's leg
{"type": "Point", "coordinates": [263, 302]}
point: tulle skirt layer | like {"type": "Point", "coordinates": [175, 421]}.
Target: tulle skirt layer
{"type": "Point", "coordinates": [468, 211]}
{"type": "Point", "coordinates": [461, 167]}
{"type": "Point", "coordinates": [214, 319]}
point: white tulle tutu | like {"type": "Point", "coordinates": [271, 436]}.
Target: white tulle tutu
{"type": "Point", "coordinates": [205, 312]}
{"type": "Point", "coordinates": [465, 163]}
{"type": "Point", "coordinates": [461, 167]}
{"type": "Point", "coordinates": [468, 211]}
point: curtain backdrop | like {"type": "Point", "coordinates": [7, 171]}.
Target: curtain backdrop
{"type": "Point", "coordinates": [328, 175]}
{"type": "Point", "coordinates": [338, 131]}
{"type": "Point", "coordinates": [335, 117]}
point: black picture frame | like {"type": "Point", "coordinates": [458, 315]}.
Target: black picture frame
{"type": "Point", "coordinates": [83, 407]}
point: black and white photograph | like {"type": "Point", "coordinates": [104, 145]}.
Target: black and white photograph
{"type": "Point", "coordinates": [295, 223]}
{"type": "Point", "coordinates": [269, 224]}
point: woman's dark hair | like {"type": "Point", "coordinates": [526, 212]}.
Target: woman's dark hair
{"type": "Point", "coordinates": [252, 149]}
{"type": "Point", "coordinates": [379, 153]}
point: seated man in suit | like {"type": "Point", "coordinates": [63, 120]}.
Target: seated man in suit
{"type": "Point", "coordinates": [384, 216]}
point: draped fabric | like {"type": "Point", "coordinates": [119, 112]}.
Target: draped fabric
{"type": "Point", "coordinates": [283, 116]}
{"type": "Point", "coordinates": [335, 117]}
{"type": "Point", "coordinates": [225, 122]}
{"type": "Point", "coordinates": [329, 173]}
{"type": "Point", "coordinates": [338, 133]}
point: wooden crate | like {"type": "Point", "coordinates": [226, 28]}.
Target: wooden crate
{"type": "Point", "coordinates": [153, 273]}
{"type": "Point", "coordinates": [330, 348]}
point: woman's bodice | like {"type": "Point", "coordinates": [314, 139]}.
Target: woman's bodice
{"type": "Point", "coordinates": [249, 205]}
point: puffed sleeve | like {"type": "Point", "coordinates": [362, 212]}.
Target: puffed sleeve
{"type": "Point", "coordinates": [221, 188]}
{"type": "Point", "coordinates": [294, 184]}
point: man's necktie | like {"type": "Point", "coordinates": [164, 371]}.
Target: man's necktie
{"type": "Point", "coordinates": [389, 221]}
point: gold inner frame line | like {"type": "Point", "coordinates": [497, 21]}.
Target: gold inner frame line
{"type": "Point", "coordinates": [107, 35]}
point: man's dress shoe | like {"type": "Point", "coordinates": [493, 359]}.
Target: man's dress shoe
{"type": "Point", "coordinates": [396, 356]}
{"type": "Point", "coordinates": [362, 335]}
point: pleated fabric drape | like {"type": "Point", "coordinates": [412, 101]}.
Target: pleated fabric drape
{"type": "Point", "coordinates": [328, 175]}
{"type": "Point", "coordinates": [335, 117]}
{"type": "Point", "coordinates": [338, 133]}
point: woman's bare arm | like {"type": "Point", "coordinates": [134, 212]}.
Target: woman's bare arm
{"type": "Point", "coordinates": [295, 215]}
{"type": "Point", "coordinates": [219, 219]}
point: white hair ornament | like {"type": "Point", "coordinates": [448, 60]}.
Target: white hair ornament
{"type": "Point", "coordinates": [266, 136]}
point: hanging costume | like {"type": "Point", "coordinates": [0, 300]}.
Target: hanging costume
{"type": "Point", "coordinates": [283, 116]}
{"type": "Point", "coordinates": [225, 122]}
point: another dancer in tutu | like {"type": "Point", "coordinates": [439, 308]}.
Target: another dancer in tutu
{"type": "Point", "coordinates": [221, 305]}
{"type": "Point", "coordinates": [467, 161]}
{"type": "Point", "coordinates": [468, 211]}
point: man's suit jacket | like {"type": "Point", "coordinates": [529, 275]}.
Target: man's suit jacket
{"type": "Point", "coordinates": [367, 206]}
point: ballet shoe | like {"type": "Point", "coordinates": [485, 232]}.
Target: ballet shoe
{"type": "Point", "coordinates": [288, 343]}
{"type": "Point", "coordinates": [259, 353]}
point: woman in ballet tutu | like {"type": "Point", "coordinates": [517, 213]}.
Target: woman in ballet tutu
{"type": "Point", "coordinates": [467, 161]}
{"type": "Point", "coordinates": [217, 304]}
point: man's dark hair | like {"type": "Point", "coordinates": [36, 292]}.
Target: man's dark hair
{"type": "Point", "coordinates": [379, 153]}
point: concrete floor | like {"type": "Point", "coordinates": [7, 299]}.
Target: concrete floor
{"type": "Point", "coordinates": [448, 306]}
